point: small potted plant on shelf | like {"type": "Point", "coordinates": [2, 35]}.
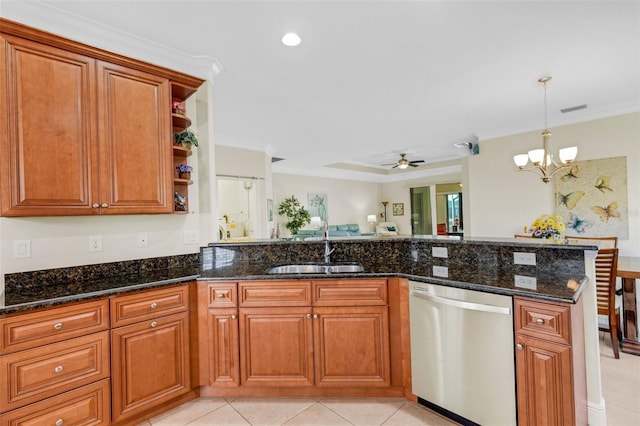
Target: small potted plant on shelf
{"type": "Point", "coordinates": [184, 171]}
{"type": "Point", "coordinates": [185, 139]}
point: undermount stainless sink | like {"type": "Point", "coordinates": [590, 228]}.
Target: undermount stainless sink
{"type": "Point", "coordinates": [315, 268]}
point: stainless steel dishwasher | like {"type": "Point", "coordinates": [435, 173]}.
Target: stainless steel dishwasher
{"type": "Point", "coordinates": [462, 355]}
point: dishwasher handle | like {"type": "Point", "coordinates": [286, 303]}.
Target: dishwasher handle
{"type": "Point", "coordinates": [422, 294]}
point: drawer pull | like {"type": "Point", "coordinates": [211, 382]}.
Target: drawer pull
{"type": "Point", "coordinates": [519, 347]}
{"type": "Point", "coordinates": [59, 422]}
{"type": "Point", "coordinates": [539, 321]}
{"type": "Point", "coordinates": [154, 305]}
{"type": "Point", "coordinates": [154, 324]}
{"type": "Point", "coordinates": [58, 369]}
{"type": "Point", "coordinates": [233, 317]}
{"type": "Point", "coordinates": [57, 326]}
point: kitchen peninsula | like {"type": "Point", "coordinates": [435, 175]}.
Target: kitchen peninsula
{"type": "Point", "coordinates": [221, 328]}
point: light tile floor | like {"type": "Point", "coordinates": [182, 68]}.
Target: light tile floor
{"type": "Point", "coordinates": [620, 387]}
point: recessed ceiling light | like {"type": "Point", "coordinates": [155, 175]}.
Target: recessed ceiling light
{"type": "Point", "coordinates": [291, 39]}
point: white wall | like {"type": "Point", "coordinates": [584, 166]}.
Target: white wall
{"type": "Point", "coordinates": [348, 201]}
{"type": "Point", "coordinates": [500, 200]}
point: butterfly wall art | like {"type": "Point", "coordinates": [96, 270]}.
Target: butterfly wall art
{"type": "Point", "coordinates": [591, 197]}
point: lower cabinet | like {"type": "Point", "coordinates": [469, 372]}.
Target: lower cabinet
{"type": "Point", "coordinates": [550, 366]}
{"type": "Point", "coordinates": [295, 334]}
{"type": "Point", "coordinates": [150, 358]}
{"type": "Point", "coordinates": [88, 405]}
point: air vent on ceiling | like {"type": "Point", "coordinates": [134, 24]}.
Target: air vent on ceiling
{"type": "Point", "coordinates": [573, 108]}
{"type": "Point", "coordinates": [276, 159]}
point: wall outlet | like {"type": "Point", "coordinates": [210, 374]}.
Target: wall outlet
{"type": "Point", "coordinates": [439, 252]}
{"type": "Point", "coordinates": [95, 243]}
{"type": "Point", "coordinates": [520, 258]}
{"type": "Point", "coordinates": [190, 237]}
{"type": "Point", "coordinates": [440, 271]}
{"type": "Point", "coordinates": [21, 248]}
{"type": "Point", "coordinates": [522, 281]}
{"type": "Point", "coordinates": [143, 239]}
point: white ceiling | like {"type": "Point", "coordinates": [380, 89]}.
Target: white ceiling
{"type": "Point", "coordinates": [373, 79]}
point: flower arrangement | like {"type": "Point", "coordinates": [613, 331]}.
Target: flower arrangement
{"type": "Point", "coordinates": [548, 227]}
{"type": "Point", "coordinates": [184, 168]}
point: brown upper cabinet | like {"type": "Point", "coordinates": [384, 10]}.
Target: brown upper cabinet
{"type": "Point", "coordinates": [83, 131]}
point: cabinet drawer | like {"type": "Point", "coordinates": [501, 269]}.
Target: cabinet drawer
{"type": "Point", "coordinates": [219, 295]}
{"type": "Point", "coordinates": [132, 308]}
{"type": "Point", "coordinates": [274, 293]}
{"type": "Point", "coordinates": [89, 405]}
{"type": "Point", "coordinates": [45, 371]}
{"type": "Point", "coordinates": [546, 320]}
{"type": "Point", "coordinates": [349, 292]}
{"type": "Point", "coordinates": [25, 331]}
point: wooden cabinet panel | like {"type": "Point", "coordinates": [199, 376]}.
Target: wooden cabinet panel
{"type": "Point", "coordinates": [276, 346]}
{"type": "Point", "coordinates": [44, 371]}
{"type": "Point", "coordinates": [543, 320]}
{"type": "Point", "coordinates": [88, 406]}
{"type": "Point", "coordinates": [146, 305]}
{"type": "Point", "coordinates": [274, 293]}
{"type": "Point", "coordinates": [349, 292]}
{"type": "Point", "coordinates": [220, 295]}
{"type": "Point", "coordinates": [48, 138]}
{"type": "Point", "coordinates": [351, 346]}
{"type": "Point", "coordinates": [41, 327]}
{"type": "Point", "coordinates": [223, 355]}
{"type": "Point", "coordinates": [135, 140]}
{"type": "Point", "coordinates": [544, 382]}
{"type": "Point", "coordinates": [150, 364]}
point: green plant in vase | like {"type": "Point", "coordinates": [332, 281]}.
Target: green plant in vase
{"type": "Point", "coordinates": [186, 138]}
{"type": "Point", "coordinates": [297, 214]}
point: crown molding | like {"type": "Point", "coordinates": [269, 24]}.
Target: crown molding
{"type": "Point", "coordinates": [45, 17]}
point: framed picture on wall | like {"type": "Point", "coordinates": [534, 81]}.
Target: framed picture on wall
{"type": "Point", "coordinates": [318, 205]}
{"type": "Point", "coordinates": [269, 210]}
{"type": "Point", "coordinates": [398, 209]}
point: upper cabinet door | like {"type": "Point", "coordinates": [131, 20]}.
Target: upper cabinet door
{"type": "Point", "coordinates": [47, 132]}
{"type": "Point", "coordinates": [135, 141]}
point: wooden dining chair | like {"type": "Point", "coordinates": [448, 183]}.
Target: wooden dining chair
{"type": "Point", "coordinates": [606, 266]}
{"type": "Point", "coordinates": [601, 242]}
{"type": "Point", "coordinates": [522, 236]}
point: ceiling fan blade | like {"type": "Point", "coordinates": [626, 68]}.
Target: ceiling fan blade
{"type": "Point", "coordinates": [395, 166]}
{"type": "Point", "coordinates": [416, 161]}
{"type": "Point", "coordinates": [413, 165]}
{"type": "Point", "coordinates": [389, 164]}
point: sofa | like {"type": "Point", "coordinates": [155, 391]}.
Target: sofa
{"type": "Point", "coordinates": [386, 228]}
{"type": "Point", "coordinates": [348, 230]}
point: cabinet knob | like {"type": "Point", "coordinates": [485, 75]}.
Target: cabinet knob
{"type": "Point", "coordinates": [309, 316]}
{"type": "Point", "coordinates": [315, 316]}
{"type": "Point", "coordinates": [233, 317]}
{"type": "Point", "coordinates": [154, 324]}
{"type": "Point", "coordinates": [95, 205]}
{"type": "Point", "coordinates": [539, 321]}
{"type": "Point", "coordinates": [104, 205]}
{"type": "Point", "coordinates": [519, 346]}
{"type": "Point", "coordinates": [59, 422]}
{"type": "Point", "coordinates": [57, 326]}
{"type": "Point", "coordinates": [58, 369]}
{"type": "Point", "coordinates": [220, 295]}
{"type": "Point", "coordinates": [154, 305]}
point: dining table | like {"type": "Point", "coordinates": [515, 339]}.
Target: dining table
{"type": "Point", "coordinates": [629, 271]}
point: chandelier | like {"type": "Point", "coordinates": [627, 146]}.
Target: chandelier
{"type": "Point", "coordinates": [542, 162]}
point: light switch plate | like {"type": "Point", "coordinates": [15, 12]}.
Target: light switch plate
{"type": "Point", "coordinates": [440, 271]}
{"type": "Point", "coordinates": [439, 252]}
{"type": "Point", "coordinates": [95, 243]}
{"type": "Point", "coordinates": [520, 258]}
{"type": "Point", "coordinates": [523, 281]}
{"type": "Point", "coordinates": [21, 248]}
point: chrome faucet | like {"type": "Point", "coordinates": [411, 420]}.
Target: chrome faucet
{"type": "Point", "coordinates": [327, 251]}
{"type": "Point", "coordinates": [325, 230]}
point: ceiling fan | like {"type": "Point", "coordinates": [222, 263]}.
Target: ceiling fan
{"type": "Point", "coordinates": [403, 163]}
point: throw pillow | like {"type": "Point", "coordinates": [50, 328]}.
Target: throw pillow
{"type": "Point", "coordinates": [391, 228]}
